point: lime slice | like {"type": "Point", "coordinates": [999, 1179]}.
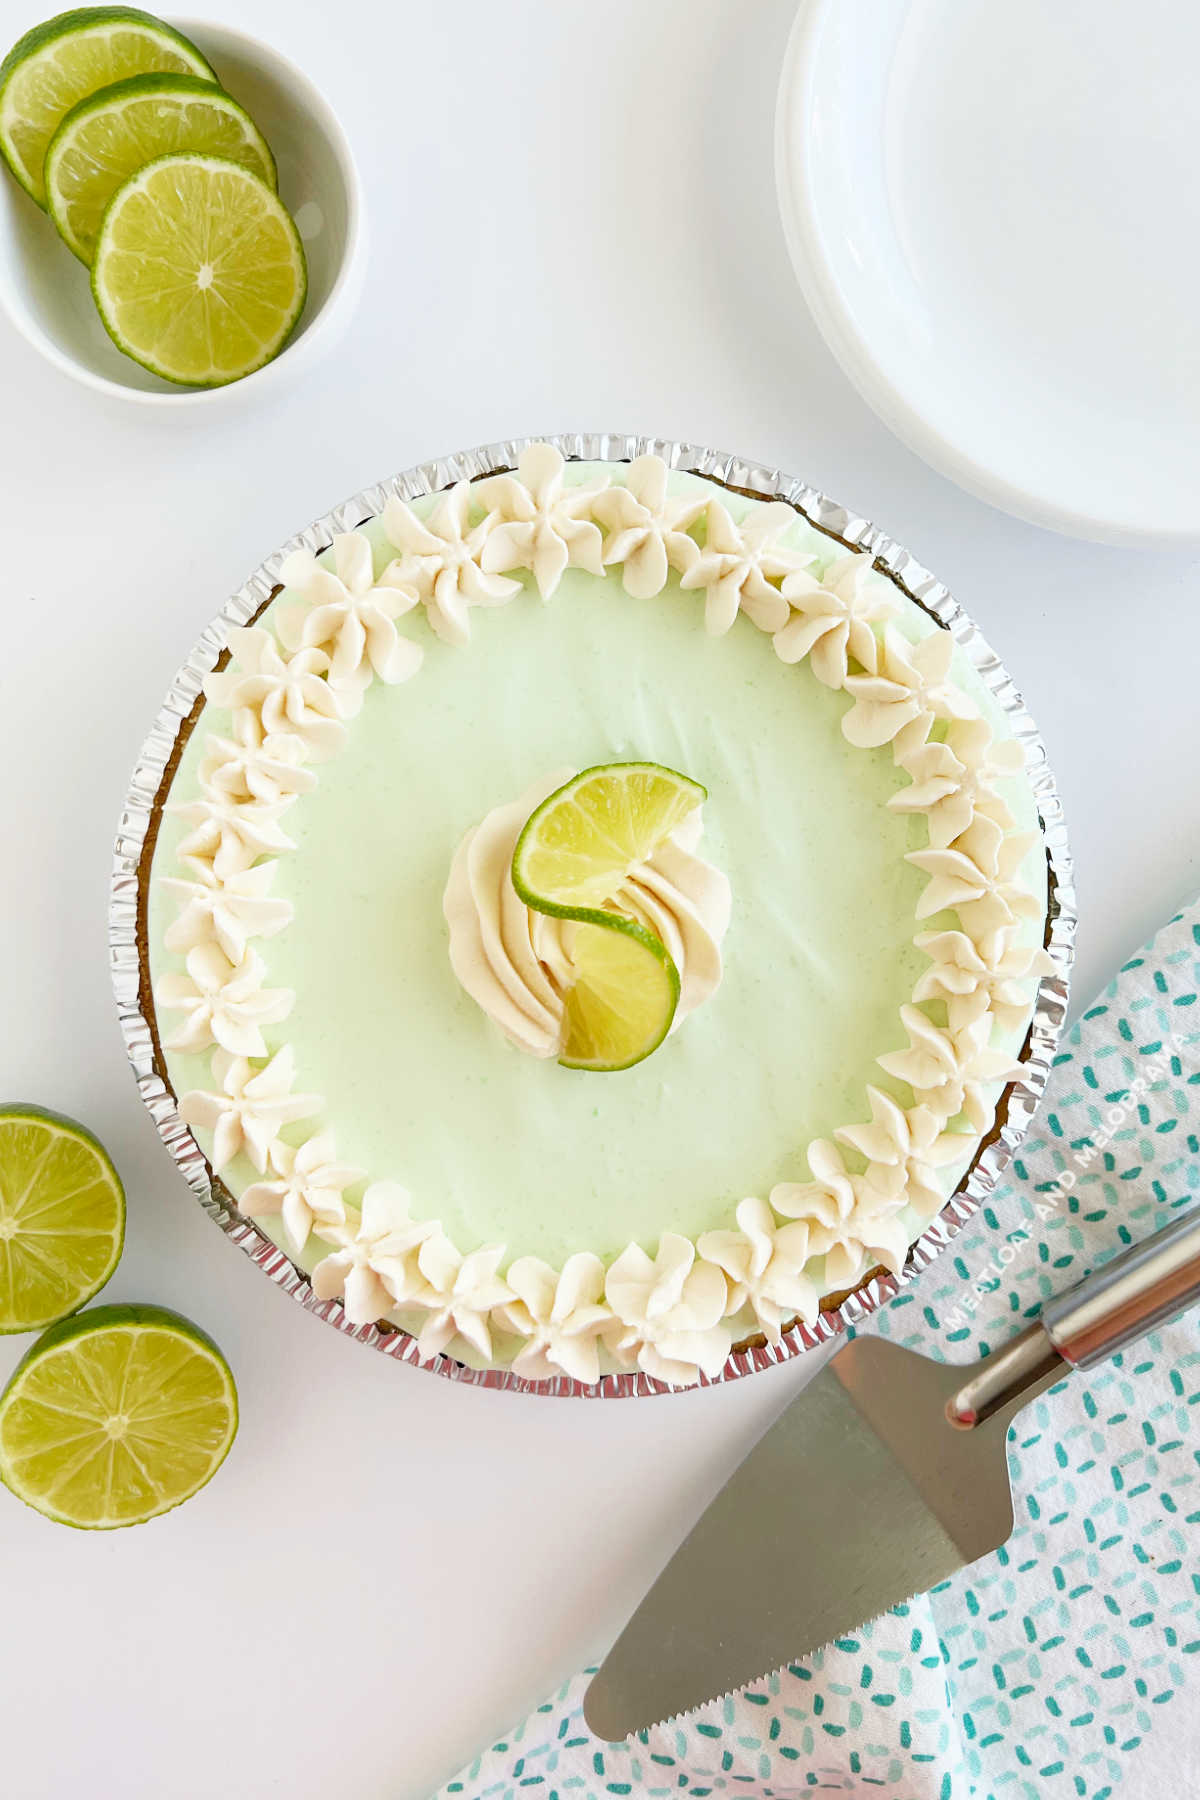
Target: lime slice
{"type": "Point", "coordinates": [570, 860]}
{"type": "Point", "coordinates": [580, 844]}
{"type": "Point", "coordinates": [625, 994]}
{"type": "Point", "coordinates": [115, 1416]}
{"type": "Point", "coordinates": [111, 135]}
{"type": "Point", "coordinates": [62, 1217]}
{"type": "Point", "coordinates": [199, 272]}
{"type": "Point", "coordinates": [59, 63]}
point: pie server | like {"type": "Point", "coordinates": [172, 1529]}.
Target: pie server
{"type": "Point", "coordinates": [884, 1477]}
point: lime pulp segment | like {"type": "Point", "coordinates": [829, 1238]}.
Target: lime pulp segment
{"type": "Point", "coordinates": [582, 841]}
{"type": "Point", "coordinates": [115, 1416]}
{"type": "Point", "coordinates": [110, 135]}
{"type": "Point", "coordinates": [62, 1217]}
{"type": "Point", "coordinates": [623, 1001]}
{"type": "Point", "coordinates": [57, 64]}
{"type": "Point", "coordinates": [199, 273]}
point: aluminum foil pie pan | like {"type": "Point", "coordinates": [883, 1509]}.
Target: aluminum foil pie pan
{"type": "Point", "coordinates": [129, 945]}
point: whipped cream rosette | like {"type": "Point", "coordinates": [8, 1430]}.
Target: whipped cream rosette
{"type": "Point", "coordinates": [515, 962]}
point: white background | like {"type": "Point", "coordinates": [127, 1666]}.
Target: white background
{"type": "Point", "coordinates": [391, 1569]}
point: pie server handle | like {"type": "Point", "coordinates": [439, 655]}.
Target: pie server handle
{"type": "Point", "coordinates": [1147, 1285]}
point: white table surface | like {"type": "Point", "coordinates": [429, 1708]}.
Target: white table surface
{"type": "Point", "coordinates": [392, 1569]}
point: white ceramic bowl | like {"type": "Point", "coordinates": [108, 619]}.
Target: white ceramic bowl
{"type": "Point", "coordinates": [44, 289]}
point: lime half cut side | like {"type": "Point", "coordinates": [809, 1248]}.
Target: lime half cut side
{"type": "Point", "coordinates": [578, 847]}
{"type": "Point", "coordinates": [199, 273]}
{"type": "Point", "coordinates": [62, 1217]}
{"type": "Point", "coordinates": [110, 135]}
{"type": "Point", "coordinates": [57, 64]}
{"type": "Point", "coordinates": [623, 1001]}
{"type": "Point", "coordinates": [115, 1416]}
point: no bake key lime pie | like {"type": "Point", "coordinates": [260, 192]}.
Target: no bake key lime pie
{"type": "Point", "coordinates": [594, 916]}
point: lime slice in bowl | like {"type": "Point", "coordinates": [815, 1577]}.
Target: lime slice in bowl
{"type": "Point", "coordinates": [57, 64]}
{"type": "Point", "coordinates": [582, 841]}
{"type": "Point", "coordinates": [115, 1416]}
{"type": "Point", "coordinates": [624, 998]}
{"type": "Point", "coordinates": [199, 272]}
{"type": "Point", "coordinates": [112, 134]}
{"type": "Point", "coordinates": [62, 1217]}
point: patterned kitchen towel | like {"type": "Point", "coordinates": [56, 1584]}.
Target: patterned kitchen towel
{"type": "Point", "coordinates": [1057, 1668]}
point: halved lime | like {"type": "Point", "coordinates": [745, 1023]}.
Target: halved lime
{"type": "Point", "coordinates": [624, 998]}
{"type": "Point", "coordinates": [580, 844]}
{"type": "Point", "coordinates": [62, 1217]}
{"type": "Point", "coordinates": [111, 135]}
{"type": "Point", "coordinates": [199, 272]}
{"type": "Point", "coordinates": [59, 63]}
{"type": "Point", "coordinates": [115, 1416]}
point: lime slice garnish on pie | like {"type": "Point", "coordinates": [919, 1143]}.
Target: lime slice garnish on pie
{"type": "Point", "coordinates": [582, 841]}
{"type": "Point", "coordinates": [57, 64]}
{"type": "Point", "coordinates": [570, 860]}
{"type": "Point", "coordinates": [110, 135]}
{"type": "Point", "coordinates": [624, 997]}
{"type": "Point", "coordinates": [116, 1415]}
{"type": "Point", "coordinates": [199, 272]}
{"type": "Point", "coordinates": [62, 1217]}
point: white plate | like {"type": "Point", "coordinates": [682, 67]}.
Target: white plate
{"type": "Point", "coordinates": [994, 213]}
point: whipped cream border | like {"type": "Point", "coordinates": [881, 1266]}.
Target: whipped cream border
{"type": "Point", "coordinates": [662, 1315]}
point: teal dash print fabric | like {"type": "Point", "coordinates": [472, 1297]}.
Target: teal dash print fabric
{"type": "Point", "coordinates": [1067, 1666]}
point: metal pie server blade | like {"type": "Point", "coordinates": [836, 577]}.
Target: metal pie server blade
{"type": "Point", "coordinates": [886, 1475]}
{"type": "Point", "coordinates": [861, 1494]}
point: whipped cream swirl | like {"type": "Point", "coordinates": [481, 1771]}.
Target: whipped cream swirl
{"type": "Point", "coordinates": [516, 964]}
